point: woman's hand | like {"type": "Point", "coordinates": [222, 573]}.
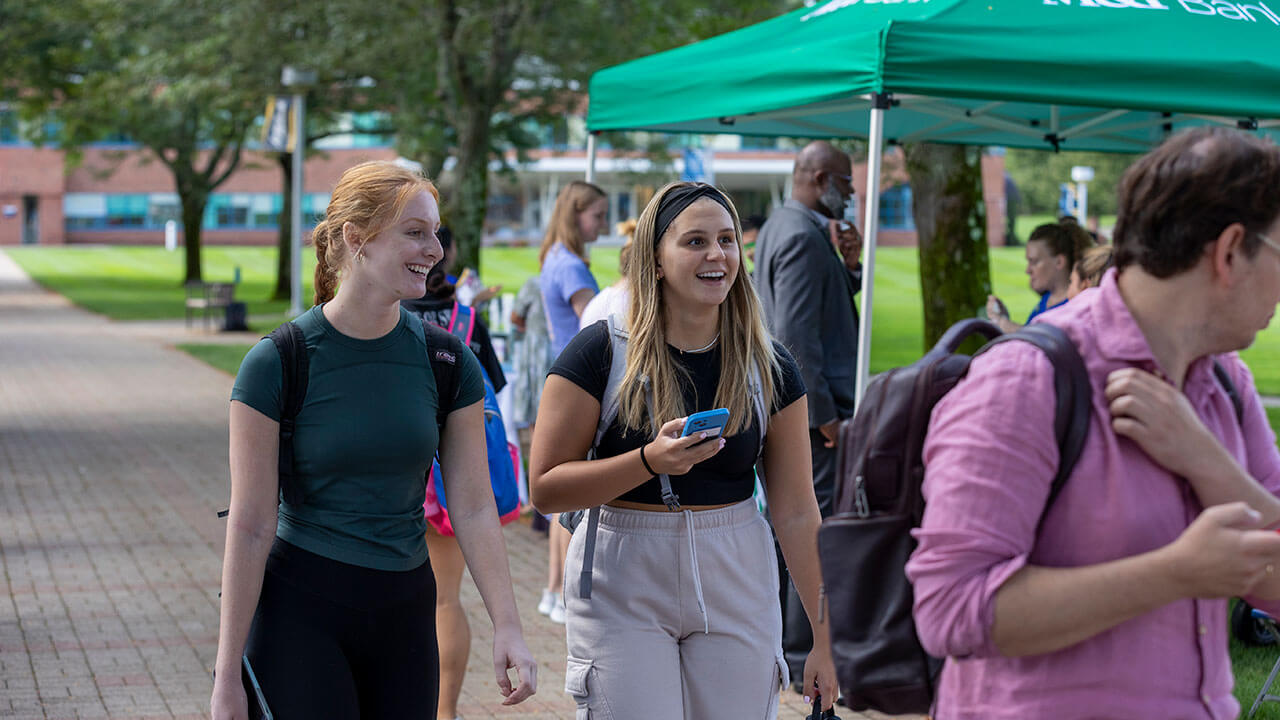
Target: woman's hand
{"type": "Point", "coordinates": [995, 309]}
{"type": "Point", "coordinates": [510, 651]}
{"type": "Point", "coordinates": [229, 701]}
{"type": "Point", "coordinates": [1159, 418]}
{"type": "Point", "coordinates": [820, 672]}
{"type": "Point", "coordinates": [670, 454]}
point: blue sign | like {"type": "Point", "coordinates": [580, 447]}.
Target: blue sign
{"type": "Point", "coordinates": [697, 166]}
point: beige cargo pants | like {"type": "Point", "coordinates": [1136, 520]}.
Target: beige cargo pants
{"type": "Point", "coordinates": [683, 619]}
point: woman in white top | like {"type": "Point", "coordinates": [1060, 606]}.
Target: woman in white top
{"type": "Point", "coordinates": [613, 299]}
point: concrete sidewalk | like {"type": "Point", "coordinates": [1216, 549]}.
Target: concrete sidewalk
{"type": "Point", "coordinates": [113, 461]}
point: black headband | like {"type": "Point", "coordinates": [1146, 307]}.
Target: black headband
{"type": "Point", "coordinates": [675, 202]}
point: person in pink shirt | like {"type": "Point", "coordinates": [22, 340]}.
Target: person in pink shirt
{"type": "Point", "coordinates": [1115, 605]}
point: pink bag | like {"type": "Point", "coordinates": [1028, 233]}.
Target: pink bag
{"type": "Point", "coordinates": [438, 517]}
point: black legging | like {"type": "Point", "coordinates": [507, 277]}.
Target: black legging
{"type": "Point", "coordinates": [340, 641]}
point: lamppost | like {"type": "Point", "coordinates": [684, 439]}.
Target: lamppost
{"type": "Point", "coordinates": [292, 77]}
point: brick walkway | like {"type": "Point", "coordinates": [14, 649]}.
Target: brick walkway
{"type": "Point", "coordinates": [112, 463]}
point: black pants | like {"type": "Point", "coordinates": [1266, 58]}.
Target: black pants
{"type": "Point", "coordinates": [797, 638]}
{"type": "Point", "coordinates": [332, 640]}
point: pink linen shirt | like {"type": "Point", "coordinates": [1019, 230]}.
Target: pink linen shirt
{"type": "Point", "coordinates": [990, 458]}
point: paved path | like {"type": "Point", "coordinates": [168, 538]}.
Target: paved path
{"type": "Point", "coordinates": [112, 463]}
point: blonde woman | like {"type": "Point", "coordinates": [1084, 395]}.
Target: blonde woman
{"type": "Point", "coordinates": [581, 212]}
{"type": "Point", "coordinates": [683, 618]}
{"type": "Point", "coordinates": [330, 594]}
{"type": "Point", "coordinates": [1090, 268]}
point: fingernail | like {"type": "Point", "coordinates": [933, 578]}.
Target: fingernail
{"type": "Point", "coordinates": [807, 701]}
{"type": "Point", "coordinates": [702, 436]}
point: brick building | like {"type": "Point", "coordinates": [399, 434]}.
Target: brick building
{"type": "Point", "coordinates": [119, 194]}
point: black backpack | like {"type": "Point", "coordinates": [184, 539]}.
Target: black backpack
{"type": "Point", "coordinates": [443, 353]}
{"type": "Point", "coordinates": [864, 547]}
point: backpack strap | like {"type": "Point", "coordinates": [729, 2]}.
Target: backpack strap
{"type": "Point", "coordinates": [294, 372]}
{"type": "Point", "coordinates": [609, 404]}
{"type": "Point", "coordinates": [1074, 394]}
{"type": "Point", "coordinates": [1225, 381]}
{"type": "Point", "coordinates": [442, 355]}
{"type": "Point", "coordinates": [467, 334]}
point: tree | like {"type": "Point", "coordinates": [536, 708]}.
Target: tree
{"type": "Point", "coordinates": [164, 73]}
{"type": "Point", "coordinates": [951, 231]}
{"type": "Point", "coordinates": [342, 44]}
{"type": "Point", "coordinates": [499, 64]}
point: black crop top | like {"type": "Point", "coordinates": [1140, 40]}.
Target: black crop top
{"type": "Point", "coordinates": [725, 477]}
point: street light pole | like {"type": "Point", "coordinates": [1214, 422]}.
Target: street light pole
{"type": "Point", "coordinates": [293, 77]}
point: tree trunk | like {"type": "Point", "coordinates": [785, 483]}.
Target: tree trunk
{"type": "Point", "coordinates": [194, 200]}
{"type": "Point", "coordinates": [951, 229]}
{"type": "Point", "coordinates": [284, 241]}
{"type": "Point", "coordinates": [471, 191]}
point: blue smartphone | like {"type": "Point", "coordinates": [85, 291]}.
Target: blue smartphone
{"type": "Point", "coordinates": [711, 422]}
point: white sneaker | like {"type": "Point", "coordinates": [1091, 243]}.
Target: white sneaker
{"type": "Point", "coordinates": [548, 601]}
{"type": "Point", "coordinates": [557, 610]}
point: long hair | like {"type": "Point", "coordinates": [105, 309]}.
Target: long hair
{"type": "Point", "coordinates": [370, 196]}
{"type": "Point", "coordinates": [745, 344]}
{"type": "Point", "coordinates": [563, 228]}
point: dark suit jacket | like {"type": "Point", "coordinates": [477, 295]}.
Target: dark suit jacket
{"type": "Point", "coordinates": [808, 295]}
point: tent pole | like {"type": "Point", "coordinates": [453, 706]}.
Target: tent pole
{"type": "Point", "coordinates": [591, 157]}
{"type": "Point", "coordinates": [871, 226]}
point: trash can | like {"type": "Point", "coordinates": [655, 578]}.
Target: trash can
{"type": "Point", "coordinates": [236, 317]}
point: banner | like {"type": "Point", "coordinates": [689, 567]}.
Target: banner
{"type": "Point", "coordinates": [697, 166]}
{"type": "Point", "coordinates": [278, 132]}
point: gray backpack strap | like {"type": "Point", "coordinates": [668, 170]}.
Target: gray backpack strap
{"type": "Point", "coordinates": [669, 497]}
{"type": "Point", "coordinates": [588, 553]}
{"type": "Point", "coordinates": [608, 413]}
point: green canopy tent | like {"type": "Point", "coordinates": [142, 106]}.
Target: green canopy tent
{"type": "Point", "coordinates": [1104, 75]}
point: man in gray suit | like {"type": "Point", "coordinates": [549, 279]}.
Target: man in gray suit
{"type": "Point", "coordinates": [807, 284]}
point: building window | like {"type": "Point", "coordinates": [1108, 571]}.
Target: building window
{"type": "Point", "coordinates": [895, 209]}
{"type": "Point", "coordinates": [8, 127]}
{"type": "Point", "coordinates": [126, 211]}
{"type": "Point", "coordinates": [313, 208]}
{"type": "Point", "coordinates": [225, 211]}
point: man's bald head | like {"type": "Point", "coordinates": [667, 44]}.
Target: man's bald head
{"type": "Point", "coordinates": [822, 155]}
{"type": "Point", "coordinates": [821, 167]}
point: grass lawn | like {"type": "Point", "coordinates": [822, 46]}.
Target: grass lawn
{"type": "Point", "coordinates": [144, 283]}
{"type": "Point", "coordinates": [1251, 666]}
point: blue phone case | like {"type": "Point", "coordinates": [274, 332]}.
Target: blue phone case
{"type": "Point", "coordinates": [711, 422]}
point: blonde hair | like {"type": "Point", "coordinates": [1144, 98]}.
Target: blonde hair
{"type": "Point", "coordinates": [563, 228]}
{"type": "Point", "coordinates": [627, 229]}
{"type": "Point", "coordinates": [1093, 264]}
{"type": "Point", "coordinates": [745, 344]}
{"type": "Point", "coordinates": [370, 196]}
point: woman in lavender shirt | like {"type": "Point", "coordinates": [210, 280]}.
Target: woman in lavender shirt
{"type": "Point", "coordinates": [567, 283]}
{"type": "Point", "coordinates": [567, 286]}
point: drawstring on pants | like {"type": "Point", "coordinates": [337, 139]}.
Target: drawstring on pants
{"type": "Point", "coordinates": [697, 572]}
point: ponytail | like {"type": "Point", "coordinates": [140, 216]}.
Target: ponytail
{"type": "Point", "coordinates": [328, 260]}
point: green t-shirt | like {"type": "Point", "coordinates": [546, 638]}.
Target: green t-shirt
{"type": "Point", "coordinates": [364, 439]}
